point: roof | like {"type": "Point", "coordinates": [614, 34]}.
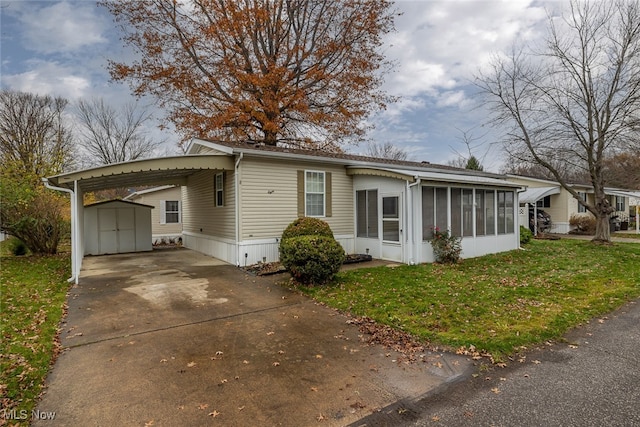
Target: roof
{"type": "Point", "coordinates": [414, 175]}
{"type": "Point", "coordinates": [165, 170]}
{"type": "Point", "coordinates": [532, 195]}
{"type": "Point", "coordinates": [354, 160]}
{"type": "Point", "coordinates": [106, 202]}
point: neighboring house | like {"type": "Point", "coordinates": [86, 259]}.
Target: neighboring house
{"type": "Point", "coordinates": [550, 196]}
{"type": "Point", "coordinates": [238, 198]}
{"type": "Point", "coordinates": [166, 218]}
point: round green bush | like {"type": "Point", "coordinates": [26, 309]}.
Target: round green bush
{"type": "Point", "coordinates": [307, 227]}
{"type": "Point", "coordinates": [312, 259]}
{"type": "Point", "coordinates": [525, 235]}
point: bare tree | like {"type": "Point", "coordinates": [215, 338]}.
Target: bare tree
{"type": "Point", "coordinates": [113, 136]}
{"type": "Point", "coordinates": [573, 102]}
{"type": "Point", "coordinates": [34, 138]}
{"type": "Point", "coordinates": [469, 160]}
{"type": "Point", "coordinates": [386, 150]}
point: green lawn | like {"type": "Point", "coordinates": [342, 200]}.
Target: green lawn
{"type": "Point", "coordinates": [496, 303]}
{"type": "Point", "coordinates": [32, 297]}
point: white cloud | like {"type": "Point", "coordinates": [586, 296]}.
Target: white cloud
{"type": "Point", "coordinates": [62, 27]}
{"type": "Point", "coordinates": [48, 78]}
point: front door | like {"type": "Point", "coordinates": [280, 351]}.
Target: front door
{"type": "Point", "coordinates": [392, 227]}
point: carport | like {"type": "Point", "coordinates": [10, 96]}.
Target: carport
{"type": "Point", "coordinates": [148, 172]}
{"type": "Point", "coordinates": [531, 196]}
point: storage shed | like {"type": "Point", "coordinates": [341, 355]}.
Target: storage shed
{"type": "Point", "coordinates": [117, 226]}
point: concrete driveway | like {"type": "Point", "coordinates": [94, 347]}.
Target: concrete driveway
{"type": "Point", "coordinates": [176, 338]}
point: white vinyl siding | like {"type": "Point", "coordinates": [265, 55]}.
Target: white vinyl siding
{"type": "Point", "coordinates": [157, 199]}
{"type": "Point", "coordinates": [198, 199]}
{"type": "Point", "coordinates": [269, 197]}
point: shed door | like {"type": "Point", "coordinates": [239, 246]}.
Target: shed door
{"type": "Point", "coordinates": [116, 228]}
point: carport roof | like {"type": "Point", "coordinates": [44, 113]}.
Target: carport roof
{"type": "Point", "coordinates": [532, 195]}
{"type": "Point", "coordinates": [165, 170]}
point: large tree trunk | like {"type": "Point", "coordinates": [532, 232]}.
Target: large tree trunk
{"type": "Point", "coordinates": [603, 233]}
{"type": "Point", "coordinates": [603, 211]}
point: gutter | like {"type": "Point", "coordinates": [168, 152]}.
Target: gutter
{"type": "Point", "coordinates": [413, 251]}
{"type": "Point", "coordinates": [74, 244]}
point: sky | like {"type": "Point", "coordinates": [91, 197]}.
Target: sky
{"type": "Point", "coordinates": [61, 48]}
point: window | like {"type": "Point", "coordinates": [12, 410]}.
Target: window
{"type": "Point", "coordinates": [171, 212]}
{"type": "Point", "coordinates": [619, 203]}
{"type": "Point", "coordinates": [582, 196]}
{"type": "Point", "coordinates": [434, 210]}
{"type": "Point", "coordinates": [480, 218]}
{"type": "Point", "coordinates": [314, 194]}
{"type": "Point", "coordinates": [490, 211]}
{"type": "Point", "coordinates": [219, 189]}
{"type": "Point", "coordinates": [467, 212]}
{"type": "Point", "coordinates": [390, 219]}
{"type": "Point", "coordinates": [544, 203]}
{"type": "Point", "coordinates": [505, 212]}
{"type": "Point", "coordinates": [367, 213]}
{"type": "Point", "coordinates": [456, 212]}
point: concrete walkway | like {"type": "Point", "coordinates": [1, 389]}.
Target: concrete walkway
{"type": "Point", "coordinates": [175, 338]}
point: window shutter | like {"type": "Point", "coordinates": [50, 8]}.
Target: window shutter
{"type": "Point", "coordinates": [300, 194]}
{"type": "Point", "coordinates": [179, 212]}
{"type": "Point", "coordinates": [224, 181]}
{"type": "Point", "coordinates": [163, 211]}
{"type": "Point", "coordinates": [328, 194]}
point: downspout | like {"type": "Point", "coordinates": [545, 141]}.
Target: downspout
{"type": "Point", "coordinates": [237, 197]}
{"type": "Point", "coordinates": [516, 218]}
{"type": "Point", "coordinates": [74, 243]}
{"type": "Point", "coordinates": [411, 214]}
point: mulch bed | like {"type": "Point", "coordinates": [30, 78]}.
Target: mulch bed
{"type": "Point", "coordinates": [267, 268]}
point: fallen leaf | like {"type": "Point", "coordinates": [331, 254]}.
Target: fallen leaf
{"type": "Point", "coordinates": [435, 418]}
{"type": "Point", "coordinates": [276, 363]}
{"type": "Point", "coordinates": [241, 408]}
{"type": "Point", "coordinates": [163, 360]}
{"type": "Point", "coordinates": [214, 413]}
{"type": "Point", "coordinates": [191, 364]}
{"type": "Point", "coordinates": [321, 417]}
{"type": "Point", "coordinates": [148, 423]}
{"type": "Point", "coordinates": [246, 362]}
{"type": "Point", "coordinates": [270, 333]}
{"type": "Point", "coordinates": [280, 352]}
{"type": "Point", "coordinates": [219, 353]}
{"type": "Point", "coordinates": [314, 388]}
{"type": "Point", "coordinates": [536, 362]}
{"type": "Point", "coordinates": [496, 390]}
{"type": "Point", "coordinates": [223, 381]}
{"type": "Point", "coordinates": [181, 407]}
{"type": "Point", "coordinates": [318, 356]}
{"type": "Point", "coordinates": [203, 406]}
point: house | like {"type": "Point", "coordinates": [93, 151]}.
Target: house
{"type": "Point", "coordinates": [550, 196]}
{"type": "Point", "coordinates": [166, 218]}
{"type": "Point", "coordinates": [237, 198]}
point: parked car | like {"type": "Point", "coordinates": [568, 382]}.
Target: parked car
{"type": "Point", "coordinates": [544, 221]}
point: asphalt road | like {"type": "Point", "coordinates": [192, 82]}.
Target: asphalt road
{"type": "Point", "coordinates": [592, 378]}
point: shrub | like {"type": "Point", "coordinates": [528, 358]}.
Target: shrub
{"type": "Point", "coordinates": [17, 246]}
{"type": "Point", "coordinates": [446, 248]}
{"type": "Point", "coordinates": [583, 223]}
{"type": "Point", "coordinates": [525, 235]}
{"type": "Point", "coordinates": [307, 227]}
{"type": "Point", "coordinates": [311, 259]}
